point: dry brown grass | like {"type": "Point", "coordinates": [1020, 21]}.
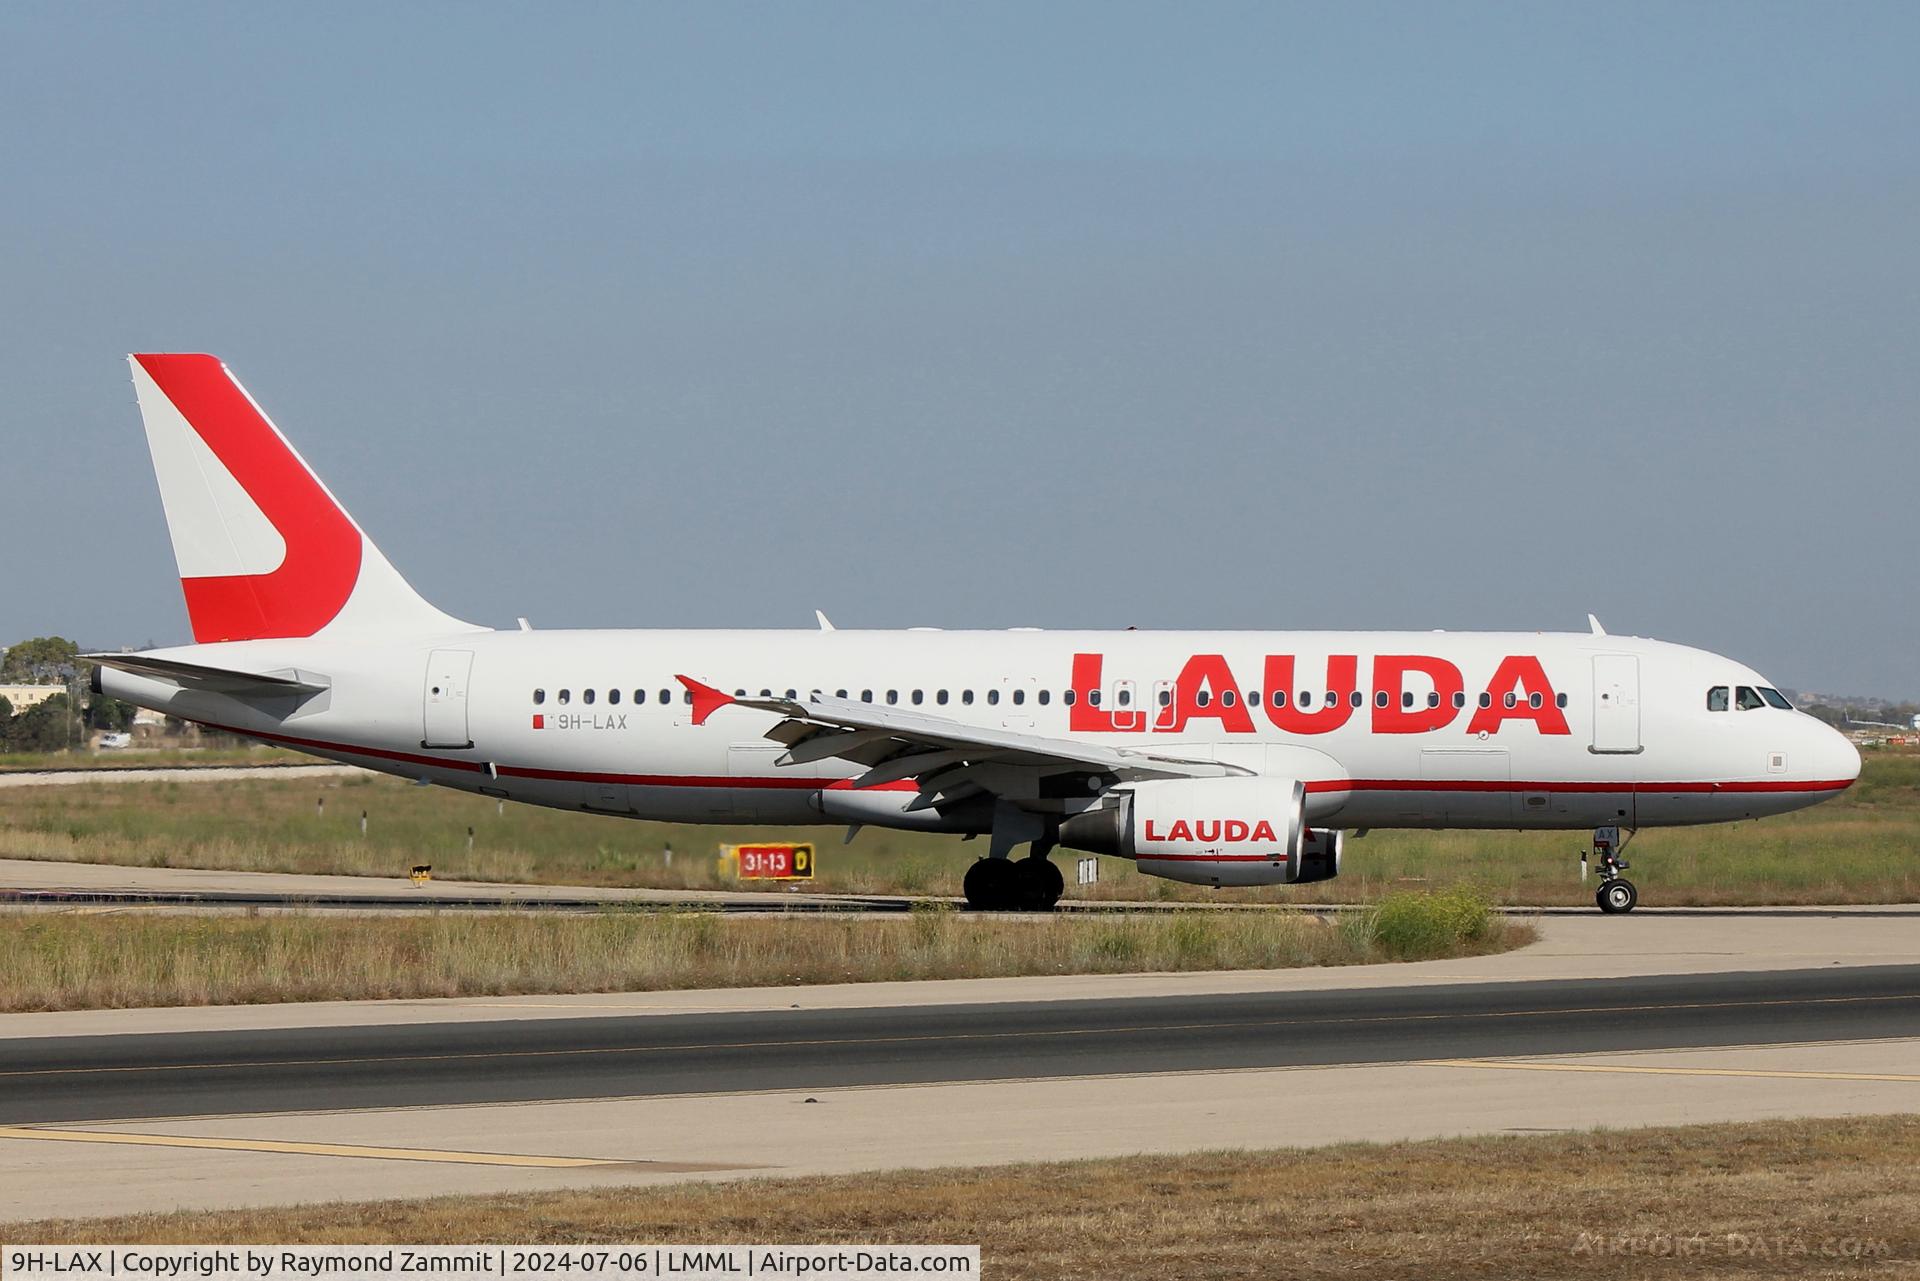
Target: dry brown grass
{"type": "Point", "coordinates": [1822, 1198]}
{"type": "Point", "coordinates": [51, 962]}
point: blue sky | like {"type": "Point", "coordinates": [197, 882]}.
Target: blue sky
{"type": "Point", "coordinates": [1258, 316]}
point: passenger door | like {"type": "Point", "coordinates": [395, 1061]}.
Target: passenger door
{"type": "Point", "coordinates": [1616, 703]}
{"type": "Point", "coordinates": [444, 721]}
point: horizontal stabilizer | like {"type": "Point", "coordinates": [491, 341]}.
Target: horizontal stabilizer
{"type": "Point", "coordinates": [216, 680]}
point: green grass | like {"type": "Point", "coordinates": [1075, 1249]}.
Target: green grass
{"type": "Point", "coordinates": [1861, 848]}
{"type": "Point", "coordinates": [63, 961]}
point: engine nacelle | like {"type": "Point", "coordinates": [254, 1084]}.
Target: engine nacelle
{"type": "Point", "coordinates": [1204, 831]}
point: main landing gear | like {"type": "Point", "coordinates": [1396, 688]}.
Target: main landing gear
{"type": "Point", "coordinates": [1031, 884]}
{"type": "Point", "coordinates": [1616, 893]}
{"type": "Point", "coordinates": [1002, 883]}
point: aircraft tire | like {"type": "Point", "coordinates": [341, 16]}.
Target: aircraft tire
{"type": "Point", "coordinates": [992, 885]}
{"type": "Point", "coordinates": [1616, 896]}
{"type": "Point", "coordinates": [1041, 883]}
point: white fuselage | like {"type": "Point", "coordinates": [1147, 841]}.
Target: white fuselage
{"type": "Point", "coordinates": [1544, 730]}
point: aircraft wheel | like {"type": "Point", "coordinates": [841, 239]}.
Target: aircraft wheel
{"type": "Point", "coordinates": [992, 885]}
{"type": "Point", "coordinates": [1041, 883]}
{"type": "Point", "coordinates": [1616, 896]}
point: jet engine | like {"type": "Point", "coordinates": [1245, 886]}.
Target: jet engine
{"type": "Point", "coordinates": [1210, 831]}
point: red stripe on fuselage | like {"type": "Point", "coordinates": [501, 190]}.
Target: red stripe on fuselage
{"type": "Point", "coordinates": [907, 785]}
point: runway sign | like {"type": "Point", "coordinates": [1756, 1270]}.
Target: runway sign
{"type": "Point", "coordinates": [774, 862]}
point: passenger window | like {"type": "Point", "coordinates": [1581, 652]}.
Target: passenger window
{"type": "Point", "coordinates": [1775, 698]}
{"type": "Point", "coordinates": [1746, 700]}
{"type": "Point", "coordinates": [1043, 696]}
{"type": "Point", "coordinates": [1253, 698]}
{"type": "Point", "coordinates": [586, 696]}
{"type": "Point", "coordinates": [993, 698]}
{"type": "Point", "coordinates": [941, 698]}
{"type": "Point", "coordinates": [1534, 701]}
{"type": "Point", "coordinates": [1356, 698]}
{"type": "Point", "coordinates": [866, 696]}
{"type": "Point", "coordinates": [566, 696]}
{"type": "Point", "coordinates": [539, 697]}
{"type": "Point", "coordinates": [639, 697]}
{"type": "Point", "coordinates": [666, 696]}
{"type": "Point", "coordinates": [1019, 697]}
{"type": "Point", "coordinates": [966, 696]}
{"type": "Point", "coordinates": [1228, 698]}
{"type": "Point", "coordinates": [1125, 698]}
{"type": "Point", "coordinates": [739, 693]}
{"type": "Point", "coordinates": [1067, 697]}
{"type": "Point", "coordinates": [1093, 698]}
{"type": "Point", "coordinates": [793, 696]}
{"type": "Point", "coordinates": [1380, 698]}
{"type": "Point", "coordinates": [918, 697]}
{"type": "Point", "coordinates": [1459, 700]}
{"type": "Point", "coordinates": [1166, 698]}
{"type": "Point", "coordinates": [1486, 699]}
{"type": "Point", "coordinates": [1333, 698]}
{"type": "Point", "coordinates": [1305, 700]}
{"type": "Point", "coordinates": [839, 693]}
{"type": "Point", "coordinates": [1559, 700]}
{"type": "Point", "coordinates": [1406, 698]}
{"type": "Point", "coordinates": [893, 696]}
{"type": "Point", "coordinates": [613, 696]}
{"type": "Point", "coordinates": [1201, 698]}
{"type": "Point", "coordinates": [1507, 700]}
{"type": "Point", "coordinates": [1717, 699]}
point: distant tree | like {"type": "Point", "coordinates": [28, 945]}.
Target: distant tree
{"type": "Point", "coordinates": [107, 713]}
{"type": "Point", "coordinates": [42, 660]}
{"type": "Point", "coordinates": [45, 727]}
{"type": "Point", "coordinates": [6, 724]}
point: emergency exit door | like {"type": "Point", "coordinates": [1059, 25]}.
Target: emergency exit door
{"type": "Point", "coordinates": [446, 699]}
{"type": "Point", "coordinates": [1616, 703]}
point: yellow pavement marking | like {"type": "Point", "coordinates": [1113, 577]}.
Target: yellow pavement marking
{"type": "Point", "coordinates": [304, 1149]}
{"type": "Point", "coordinates": [1777, 1074]}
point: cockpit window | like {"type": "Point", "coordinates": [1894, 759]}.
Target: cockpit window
{"type": "Point", "coordinates": [1775, 698]}
{"type": "Point", "coordinates": [1717, 699]}
{"type": "Point", "coordinates": [1746, 699]}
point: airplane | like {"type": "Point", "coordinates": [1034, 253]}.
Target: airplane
{"type": "Point", "coordinates": [1208, 757]}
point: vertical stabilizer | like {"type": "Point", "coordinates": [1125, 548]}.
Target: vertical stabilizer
{"type": "Point", "coordinates": [263, 549]}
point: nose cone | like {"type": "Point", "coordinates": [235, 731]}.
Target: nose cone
{"type": "Point", "coordinates": [1839, 759]}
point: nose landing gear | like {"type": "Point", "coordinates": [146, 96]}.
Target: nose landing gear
{"type": "Point", "coordinates": [1616, 893]}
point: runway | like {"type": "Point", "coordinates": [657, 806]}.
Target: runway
{"type": "Point", "coordinates": [403, 1066]}
{"type": "Point", "coordinates": [1607, 1021]}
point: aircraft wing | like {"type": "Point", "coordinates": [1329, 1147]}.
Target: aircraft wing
{"type": "Point", "coordinates": [948, 759]}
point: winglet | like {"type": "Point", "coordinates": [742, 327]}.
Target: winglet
{"type": "Point", "coordinates": [825, 624]}
{"type": "Point", "coordinates": [706, 699]}
{"type": "Point", "coordinates": [1594, 623]}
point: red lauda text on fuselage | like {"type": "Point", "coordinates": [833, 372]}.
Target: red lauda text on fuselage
{"type": "Point", "coordinates": [1518, 691]}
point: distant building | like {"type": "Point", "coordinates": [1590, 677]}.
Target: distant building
{"type": "Point", "coordinates": [24, 696]}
